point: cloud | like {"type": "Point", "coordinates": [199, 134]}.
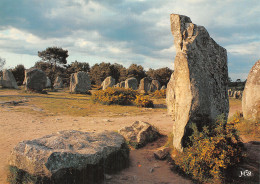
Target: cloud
{"type": "Point", "coordinates": [251, 48]}
{"type": "Point", "coordinates": [127, 31]}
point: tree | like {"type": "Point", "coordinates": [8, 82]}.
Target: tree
{"type": "Point", "coordinates": [163, 75]}
{"type": "Point", "coordinates": [99, 72]}
{"type": "Point", "coordinates": [18, 73]}
{"type": "Point", "coordinates": [136, 71]}
{"type": "Point", "coordinates": [76, 66]}
{"type": "Point", "coordinates": [118, 72]}
{"type": "Point", "coordinates": [2, 63]}
{"type": "Point", "coordinates": [54, 56]}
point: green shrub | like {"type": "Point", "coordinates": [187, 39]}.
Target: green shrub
{"type": "Point", "coordinates": [117, 95]}
{"type": "Point", "coordinates": [211, 152]}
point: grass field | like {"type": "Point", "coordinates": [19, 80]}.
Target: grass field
{"type": "Point", "coordinates": [65, 103]}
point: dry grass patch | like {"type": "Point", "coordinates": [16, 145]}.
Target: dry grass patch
{"type": "Point", "coordinates": [250, 129]}
{"type": "Point", "coordinates": [65, 103]}
{"type": "Point", "coordinates": [234, 102]}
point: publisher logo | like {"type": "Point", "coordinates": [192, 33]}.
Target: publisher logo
{"type": "Point", "coordinates": [245, 173]}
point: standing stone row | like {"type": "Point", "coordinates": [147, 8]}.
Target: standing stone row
{"type": "Point", "coordinates": [235, 94]}
{"type": "Point", "coordinates": [144, 86]}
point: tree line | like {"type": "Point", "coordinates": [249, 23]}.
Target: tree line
{"type": "Point", "coordinates": [54, 63]}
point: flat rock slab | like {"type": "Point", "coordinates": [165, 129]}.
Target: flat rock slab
{"type": "Point", "coordinates": [139, 134]}
{"type": "Point", "coordinates": [69, 157]}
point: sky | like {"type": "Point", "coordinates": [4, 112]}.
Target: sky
{"type": "Point", "coordinates": [126, 31]}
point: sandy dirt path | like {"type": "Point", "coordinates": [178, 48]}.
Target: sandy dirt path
{"type": "Point", "coordinates": [17, 126]}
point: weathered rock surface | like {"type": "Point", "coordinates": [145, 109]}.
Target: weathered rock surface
{"type": "Point", "coordinates": [58, 83]}
{"type": "Point", "coordinates": [163, 87]}
{"type": "Point", "coordinates": [35, 80]}
{"type": "Point", "coordinates": [122, 84]}
{"type": "Point", "coordinates": [48, 82]}
{"type": "Point", "coordinates": [131, 83]}
{"type": "Point", "coordinates": [8, 80]}
{"type": "Point", "coordinates": [144, 85]}
{"type": "Point", "coordinates": [238, 94]}
{"type": "Point", "coordinates": [139, 134]}
{"type": "Point", "coordinates": [170, 99]}
{"type": "Point", "coordinates": [155, 85]}
{"type": "Point", "coordinates": [108, 82]}
{"type": "Point", "coordinates": [162, 153]}
{"type": "Point", "coordinates": [80, 82]}
{"type": "Point", "coordinates": [200, 78]}
{"type": "Point", "coordinates": [251, 94]}
{"type": "Point", "coordinates": [70, 157]}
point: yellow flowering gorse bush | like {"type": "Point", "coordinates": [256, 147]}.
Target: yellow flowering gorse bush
{"type": "Point", "coordinates": [211, 152]}
{"type": "Point", "coordinates": [159, 93]}
{"type": "Point", "coordinates": [121, 96]}
{"type": "Point", "coordinates": [143, 101]}
{"type": "Point", "coordinates": [117, 95]}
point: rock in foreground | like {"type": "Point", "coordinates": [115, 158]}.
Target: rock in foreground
{"type": "Point", "coordinates": [69, 157]}
{"type": "Point", "coordinates": [139, 134]}
{"type": "Point", "coordinates": [199, 81]}
{"type": "Point", "coordinates": [251, 95]}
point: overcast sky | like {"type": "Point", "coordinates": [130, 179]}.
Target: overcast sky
{"type": "Point", "coordinates": [125, 31]}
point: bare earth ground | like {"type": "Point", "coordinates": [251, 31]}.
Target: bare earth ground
{"type": "Point", "coordinates": [16, 126]}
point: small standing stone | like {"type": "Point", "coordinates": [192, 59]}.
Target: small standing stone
{"type": "Point", "coordinates": [80, 82]}
{"type": "Point", "coordinates": [108, 82]}
{"type": "Point", "coordinates": [8, 80]}
{"type": "Point", "coordinates": [131, 83]}
{"type": "Point", "coordinates": [35, 80]}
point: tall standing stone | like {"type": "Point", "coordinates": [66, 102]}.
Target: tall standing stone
{"type": "Point", "coordinates": [35, 80]}
{"type": "Point", "coordinates": [80, 82]}
{"type": "Point", "coordinates": [8, 80]}
{"type": "Point", "coordinates": [131, 83]}
{"type": "Point", "coordinates": [108, 82]}
{"type": "Point", "coordinates": [251, 94]}
{"type": "Point", "coordinates": [144, 85]}
{"type": "Point", "coordinates": [200, 79]}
